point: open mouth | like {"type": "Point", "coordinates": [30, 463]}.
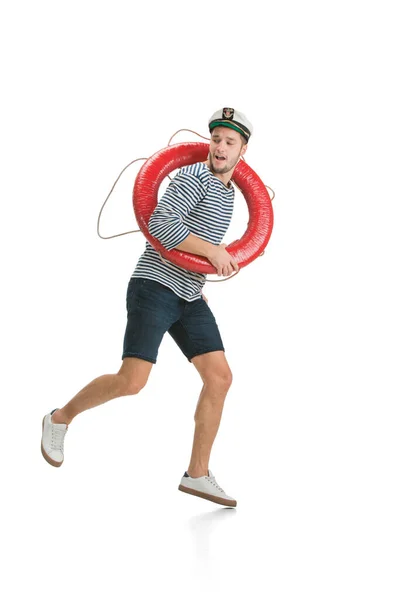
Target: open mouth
{"type": "Point", "coordinates": [220, 158]}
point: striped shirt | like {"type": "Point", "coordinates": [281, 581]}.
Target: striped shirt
{"type": "Point", "coordinates": [195, 202]}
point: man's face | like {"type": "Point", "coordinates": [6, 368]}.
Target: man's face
{"type": "Point", "coordinates": [225, 149]}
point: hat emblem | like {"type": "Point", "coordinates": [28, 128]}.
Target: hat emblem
{"type": "Point", "coordinates": [227, 113]}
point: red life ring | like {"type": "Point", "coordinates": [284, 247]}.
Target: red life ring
{"type": "Point", "coordinates": [158, 166]}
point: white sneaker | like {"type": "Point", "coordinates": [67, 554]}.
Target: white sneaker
{"type": "Point", "coordinates": [205, 487]}
{"type": "Point", "coordinates": [53, 440]}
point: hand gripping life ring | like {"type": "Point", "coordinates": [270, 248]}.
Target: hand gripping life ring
{"type": "Point", "coordinates": [259, 227]}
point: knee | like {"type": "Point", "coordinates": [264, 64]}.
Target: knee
{"type": "Point", "coordinates": [220, 380]}
{"type": "Point", "coordinates": [133, 376]}
{"type": "Point", "coordinates": [131, 387]}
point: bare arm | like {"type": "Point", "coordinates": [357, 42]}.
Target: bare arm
{"type": "Point", "coordinates": [217, 255]}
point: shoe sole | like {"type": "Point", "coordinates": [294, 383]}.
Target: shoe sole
{"type": "Point", "coordinates": [51, 462]}
{"type": "Point", "coordinates": [215, 499]}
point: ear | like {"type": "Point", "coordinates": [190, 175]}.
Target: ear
{"type": "Point", "coordinates": [243, 150]}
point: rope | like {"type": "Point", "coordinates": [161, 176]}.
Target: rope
{"type": "Point", "coordinates": [222, 280]}
{"type": "Point", "coordinates": [191, 131]}
{"type": "Point", "coordinates": [104, 203]}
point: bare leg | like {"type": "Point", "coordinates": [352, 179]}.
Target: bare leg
{"type": "Point", "coordinates": [130, 379]}
{"type": "Point", "coordinates": [217, 378]}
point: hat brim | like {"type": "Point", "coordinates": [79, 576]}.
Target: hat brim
{"type": "Point", "coordinates": [231, 125]}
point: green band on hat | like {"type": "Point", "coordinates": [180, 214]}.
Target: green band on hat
{"type": "Point", "coordinates": [223, 123]}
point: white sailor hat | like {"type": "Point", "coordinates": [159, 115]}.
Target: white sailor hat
{"type": "Point", "coordinates": [229, 117]}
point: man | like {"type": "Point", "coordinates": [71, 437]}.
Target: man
{"type": "Point", "coordinates": [193, 216]}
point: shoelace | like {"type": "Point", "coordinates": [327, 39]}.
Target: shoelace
{"type": "Point", "coordinates": [212, 480]}
{"type": "Point", "coordinates": [57, 439]}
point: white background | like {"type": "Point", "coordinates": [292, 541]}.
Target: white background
{"type": "Point", "coordinates": [309, 441]}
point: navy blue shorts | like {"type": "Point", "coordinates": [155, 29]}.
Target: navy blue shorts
{"type": "Point", "coordinates": [154, 309]}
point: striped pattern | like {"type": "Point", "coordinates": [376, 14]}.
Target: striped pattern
{"type": "Point", "coordinates": [195, 202]}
